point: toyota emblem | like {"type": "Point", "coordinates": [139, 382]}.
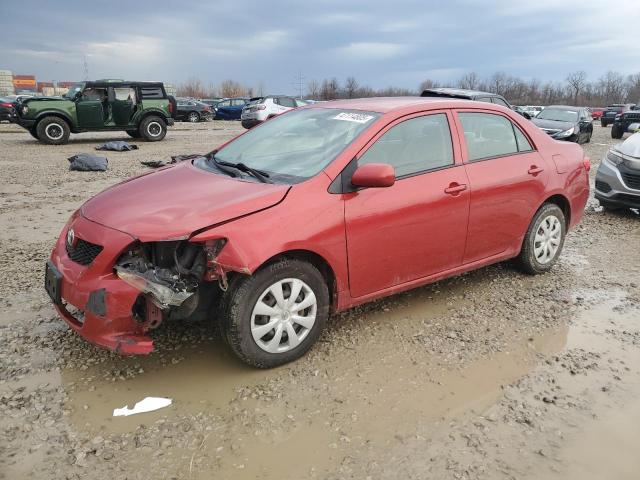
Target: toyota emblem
{"type": "Point", "coordinates": [71, 237]}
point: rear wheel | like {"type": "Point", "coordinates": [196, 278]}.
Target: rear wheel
{"type": "Point", "coordinates": [53, 131]}
{"type": "Point", "coordinates": [153, 129]}
{"type": "Point", "coordinates": [193, 117]}
{"type": "Point", "coordinates": [275, 315]}
{"type": "Point", "coordinates": [543, 241]}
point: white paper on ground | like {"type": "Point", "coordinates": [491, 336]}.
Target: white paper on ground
{"type": "Point", "coordinates": [148, 404]}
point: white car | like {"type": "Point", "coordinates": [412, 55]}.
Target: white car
{"type": "Point", "coordinates": [260, 109]}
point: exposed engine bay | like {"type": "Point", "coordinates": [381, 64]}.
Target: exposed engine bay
{"type": "Point", "coordinates": [171, 275]}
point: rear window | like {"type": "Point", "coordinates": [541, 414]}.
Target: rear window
{"type": "Point", "coordinates": [151, 92]}
{"type": "Point", "coordinates": [256, 100]}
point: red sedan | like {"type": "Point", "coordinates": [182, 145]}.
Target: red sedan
{"type": "Point", "coordinates": [313, 212]}
{"type": "Point", "coordinates": [596, 112]}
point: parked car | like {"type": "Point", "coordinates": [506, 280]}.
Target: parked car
{"type": "Point", "coordinates": [532, 110]}
{"type": "Point", "coordinates": [142, 109]}
{"type": "Point", "coordinates": [230, 108]}
{"type": "Point", "coordinates": [625, 121]}
{"type": "Point", "coordinates": [313, 212]}
{"type": "Point", "coordinates": [190, 110]}
{"type": "Point", "coordinates": [609, 115]}
{"type": "Point", "coordinates": [211, 101]}
{"type": "Point", "coordinates": [471, 95]}
{"type": "Point", "coordinates": [618, 176]}
{"type": "Point", "coordinates": [260, 109]}
{"type": "Point", "coordinates": [7, 111]}
{"type": "Point", "coordinates": [596, 112]}
{"type": "Point", "coordinates": [562, 122]}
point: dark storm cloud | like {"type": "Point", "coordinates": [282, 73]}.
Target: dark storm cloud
{"type": "Point", "coordinates": [255, 42]}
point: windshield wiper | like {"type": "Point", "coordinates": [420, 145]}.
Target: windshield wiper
{"type": "Point", "coordinates": [259, 174]}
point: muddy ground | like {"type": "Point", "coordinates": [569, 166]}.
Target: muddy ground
{"type": "Point", "coordinates": [489, 375]}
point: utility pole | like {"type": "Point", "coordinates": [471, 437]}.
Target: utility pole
{"type": "Point", "coordinates": [85, 67]}
{"type": "Point", "coordinates": [298, 83]}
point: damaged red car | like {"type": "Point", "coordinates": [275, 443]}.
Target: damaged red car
{"type": "Point", "coordinates": [313, 212]}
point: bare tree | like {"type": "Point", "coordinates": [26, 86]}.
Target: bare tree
{"type": "Point", "coordinates": [351, 87]}
{"type": "Point", "coordinates": [191, 88]}
{"type": "Point", "coordinates": [469, 81]}
{"type": "Point", "coordinates": [231, 88]}
{"type": "Point", "coordinates": [329, 89]}
{"type": "Point", "coordinates": [577, 82]}
{"type": "Point", "coordinates": [313, 89]}
{"type": "Point", "coordinates": [428, 83]}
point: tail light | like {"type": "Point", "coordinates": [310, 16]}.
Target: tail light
{"type": "Point", "coordinates": [170, 107]}
{"type": "Point", "coordinates": [207, 109]}
{"type": "Point", "coordinates": [587, 163]}
{"type": "Point", "coordinates": [6, 105]}
{"type": "Point", "coordinates": [261, 107]}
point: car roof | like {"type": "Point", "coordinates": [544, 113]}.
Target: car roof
{"type": "Point", "coordinates": [455, 93]}
{"type": "Point", "coordinates": [113, 83]}
{"type": "Point", "coordinates": [388, 104]}
{"type": "Point", "coordinates": [564, 107]}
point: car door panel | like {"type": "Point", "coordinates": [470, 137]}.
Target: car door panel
{"type": "Point", "coordinates": [90, 113]}
{"type": "Point", "coordinates": [408, 231]}
{"type": "Point", "coordinates": [506, 191]}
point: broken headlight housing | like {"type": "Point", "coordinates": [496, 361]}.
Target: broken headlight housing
{"type": "Point", "coordinates": [614, 158]}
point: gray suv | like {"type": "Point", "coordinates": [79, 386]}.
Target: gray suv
{"type": "Point", "coordinates": [618, 177]}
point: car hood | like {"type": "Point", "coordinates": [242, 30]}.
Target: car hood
{"type": "Point", "coordinates": [631, 146]}
{"type": "Point", "coordinates": [44, 99]}
{"type": "Point", "coordinates": [553, 124]}
{"type": "Point", "coordinates": [174, 202]}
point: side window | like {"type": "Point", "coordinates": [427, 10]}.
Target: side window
{"type": "Point", "coordinates": [415, 145]}
{"type": "Point", "coordinates": [488, 135]}
{"type": "Point", "coordinates": [499, 101]}
{"type": "Point", "coordinates": [225, 103]}
{"type": "Point", "coordinates": [484, 99]}
{"type": "Point", "coordinates": [151, 92]}
{"type": "Point", "coordinates": [122, 93]}
{"type": "Point", "coordinates": [238, 102]}
{"type": "Point", "coordinates": [523, 143]}
{"type": "Point", "coordinates": [287, 102]}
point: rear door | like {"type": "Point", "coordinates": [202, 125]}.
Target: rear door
{"type": "Point", "coordinates": [417, 227]}
{"type": "Point", "coordinates": [507, 178]}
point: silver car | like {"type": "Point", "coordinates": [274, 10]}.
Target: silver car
{"type": "Point", "coordinates": [618, 177]}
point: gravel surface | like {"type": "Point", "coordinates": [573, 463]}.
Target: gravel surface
{"type": "Point", "coordinates": [492, 374]}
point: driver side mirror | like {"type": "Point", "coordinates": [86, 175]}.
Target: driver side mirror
{"type": "Point", "coordinates": [374, 175]}
{"type": "Point", "coordinates": [77, 95]}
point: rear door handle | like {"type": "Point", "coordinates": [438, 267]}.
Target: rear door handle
{"type": "Point", "coordinates": [534, 170]}
{"type": "Point", "coordinates": [455, 188]}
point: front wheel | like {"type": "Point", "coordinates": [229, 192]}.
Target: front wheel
{"type": "Point", "coordinates": [153, 129]}
{"type": "Point", "coordinates": [543, 241]}
{"type": "Point", "coordinates": [133, 133]}
{"type": "Point", "coordinates": [275, 315]}
{"type": "Point", "coordinates": [53, 131]}
{"type": "Point", "coordinates": [194, 117]}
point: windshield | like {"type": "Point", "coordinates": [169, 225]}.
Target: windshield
{"type": "Point", "coordinates": [558, 114]}
{"type": "Point", "coordinates": [297, 145]}
{"type": "Point", "coordinates": [73, 90]}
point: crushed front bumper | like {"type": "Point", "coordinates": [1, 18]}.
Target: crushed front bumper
{"type": "Point", "coordinates": [104, 303]}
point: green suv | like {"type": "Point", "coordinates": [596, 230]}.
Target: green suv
{"type": "Point", "coordinates": [142, 109]}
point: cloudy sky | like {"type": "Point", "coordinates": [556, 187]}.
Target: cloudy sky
{"type": "Point", "coordinates": [256, 42]}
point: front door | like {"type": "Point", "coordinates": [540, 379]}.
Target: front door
{"type": "Point", "coordinates": [417, 227]}
{"type": "Point", "coordinates": [90, 108]}
{"type": "Point", "coordinates": [507, 178]}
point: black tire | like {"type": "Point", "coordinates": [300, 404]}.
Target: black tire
{"type": "Point", "coordinates": [53, 131]}
{"type": "Point", "coordinates": [134, 133]}
{"type": "Point", "coordinates": [193, 117]}
{"type": "Point", "coordinates": [616, 131]}
{"type": "Point", "coordinates": [603, 123]}
{"type": "Point", "coordinates": [237, 303]}
{"type": "Point", "coordinates": [589, 137]}
{"type": "Point", "coordinates": [33, 133]}
{"type": "Point", "coordinates": [527, 260]}
{"type": "Point", "coordinates": [153, 128]}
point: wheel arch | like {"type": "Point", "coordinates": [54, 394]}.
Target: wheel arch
{"type": "Point", "coordinates": [55, 113]}
{"type": "Point", "coordinates": [562, 202]}
{"type": "Point", "coordinates": [318, 261]}
{"type": "Point", "coordinates": [151, 112]}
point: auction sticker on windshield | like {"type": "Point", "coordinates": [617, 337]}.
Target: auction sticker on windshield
{"type": "Point", "coordinates": [353, 117]}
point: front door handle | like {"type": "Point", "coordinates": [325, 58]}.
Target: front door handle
{"type": "Point", "coordinates": [535, 170]}
{"type": "Point", "coordinates": [455, 188]}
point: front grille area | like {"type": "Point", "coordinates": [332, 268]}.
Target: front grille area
{"type": "Point", "coordinates": [631, 180]}
{"type": "Point", "coordinates": [83, 252]}
{"type": "Point", "coordinates": [603, 186]}
{"type": "Point", "coordinates": [632, 116]}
